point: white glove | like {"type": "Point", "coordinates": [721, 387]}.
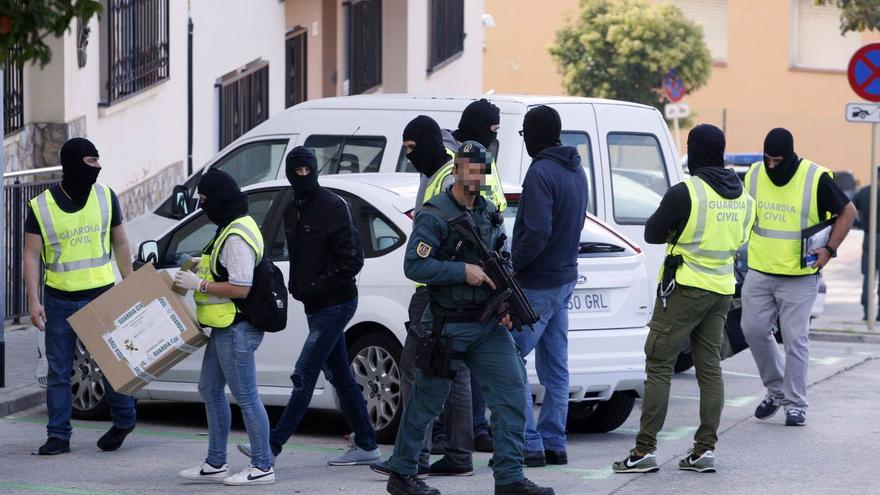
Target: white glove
{"type": "Point", "coordinates": [187, 280]}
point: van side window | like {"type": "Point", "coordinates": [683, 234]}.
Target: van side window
{"type": "Point", "coordinates": [347, 154]}
{"type": "Point", "coordinates": [581, 141]}
{"type": "Point", "coordinates": [638, 176]}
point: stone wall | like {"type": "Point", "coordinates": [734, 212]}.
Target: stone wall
{"type": "Point", "coordinates": [37, 144]}
{"type": "Point", "coordinates": [148, 192]}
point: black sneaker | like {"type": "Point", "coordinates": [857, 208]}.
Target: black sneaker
{"type": "Point", "coordinates": [534, 458]}
{"type": "Point", "coordinates": [556, 457]}
{"type": "Point", "coordinates": [408, 484]}
{"type": "Point", "coordinates": [54, 446]}
{"type": "Point", "coordinates": [523, 487]}
{"type": "Point", "coordinates": [113, 439]}
{"type": "Point", "coordinates": [795, 417]}
{"type": "Point", "coordinates": [384, 468]}
{"type": "Point", "coordinates": [767, 408]}
{"type": "Point", "coordinates": [484, 443]}
{"type": "Point", "coordinates": [445, 467]}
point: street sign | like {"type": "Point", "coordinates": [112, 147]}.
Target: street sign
{"type": "Point", "coordinates": [864, 72]}
{"type": "Point", "coordinates": [676, 110]}
{"type": "Point", "coordinates": [673, 86]}
{"type": "Point", "coordinates": [863, 112]}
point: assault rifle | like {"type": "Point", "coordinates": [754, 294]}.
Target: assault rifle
{"type": "Point", "coordinates": [508, 297]}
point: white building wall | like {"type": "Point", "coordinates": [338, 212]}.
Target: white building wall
{"type": "Point", "coordinates": [464, 75]}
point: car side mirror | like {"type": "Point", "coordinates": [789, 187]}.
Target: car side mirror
{"type": "Point", "coordinates": [180, 201]}
{"type": "Point", "coordinates": [148, 252]}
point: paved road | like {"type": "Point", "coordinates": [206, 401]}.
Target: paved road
{"type": "Point", "coordinates": [753, 457]}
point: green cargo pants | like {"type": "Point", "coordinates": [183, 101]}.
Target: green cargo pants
{"type": "Point", "coordinates": [699, 315]}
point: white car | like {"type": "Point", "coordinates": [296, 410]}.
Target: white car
{"type": "Point", "coordinates": [609, 311]}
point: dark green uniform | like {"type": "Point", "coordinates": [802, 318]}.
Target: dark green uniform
{"type": "Point", "coordinates": [436, 256]}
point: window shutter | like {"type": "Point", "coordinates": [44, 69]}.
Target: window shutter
{"type": "Point", "coordinates": [712, 16]}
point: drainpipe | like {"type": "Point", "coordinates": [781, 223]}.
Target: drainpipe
{"type": "Point", "coordinates": [189, 92]}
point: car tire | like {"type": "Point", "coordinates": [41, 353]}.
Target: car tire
{"type": "Point", "coordinates": [87, 384]}
{"type": "Point", "coordinates": [684, 362]}
{"type": "Point", "coordinates": [375, 359]}
{"type": "Point", "coordinates": [600, 416]}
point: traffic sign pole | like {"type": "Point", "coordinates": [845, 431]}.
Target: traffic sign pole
{"type": "Point", "coordinates": [872, 235]}
{"type": "Point", "coordinates": [677, 134]}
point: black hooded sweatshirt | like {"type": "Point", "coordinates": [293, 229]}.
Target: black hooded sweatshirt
{"type": "Point", "coordinates": [705, 160]}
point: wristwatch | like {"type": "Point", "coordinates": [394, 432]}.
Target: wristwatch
{"type": "Point", "coordinates": [831, 251]}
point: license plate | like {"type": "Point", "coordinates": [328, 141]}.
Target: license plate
{"type": "Point", "coordinates": [590, 301]}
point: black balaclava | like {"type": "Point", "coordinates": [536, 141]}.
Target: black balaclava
{"type": "Point", "coordinates": [541, 129]}
{"type": "Point", "coordinates": [303, 185]}
{"type": "Point", "coordinates": [705, 148]}
{"type": "Point", "coordinates": [224, 201]}
{"type": "Point", "coordinates": [780, 142]}
{"type": "Point", "coordinates": [429, 154]}
{"type": "Point", "coordinates": [78, 177]}
{"type": "Point", "coordinates": [476, 122]}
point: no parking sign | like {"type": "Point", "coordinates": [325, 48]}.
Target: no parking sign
{"type": "Point", "coordinates": [864, 72]}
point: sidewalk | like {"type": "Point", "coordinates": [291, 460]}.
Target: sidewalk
{"type": "Point", "coordinates": [21, 391]}
{"type": "Point", "coordinates": [842, 318]}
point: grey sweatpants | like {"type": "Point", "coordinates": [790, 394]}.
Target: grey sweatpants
{"type": "Point", "coordinates": [764, 298]}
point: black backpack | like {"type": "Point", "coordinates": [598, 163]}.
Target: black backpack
{"type": "Point", "coordinates": [266, 304]}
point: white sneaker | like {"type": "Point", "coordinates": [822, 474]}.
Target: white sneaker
{"type": "Point", "coordinates": [251, 476]}
{"type": "Point", "coordinates": [205, 473]}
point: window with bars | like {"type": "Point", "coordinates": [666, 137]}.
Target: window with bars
{"type": "Point", "coordinates": [137, 47]}
{"type": "Point", "coordinates": [296, 68]}
{"type": "Point", "coordinates": [364, 45]}
{"type": "Point", "coordinates": [244, 100]}
{"type": "Point", "coordinates": [447, 31]}
{"type": "Point", "coordinates": [13, 97]}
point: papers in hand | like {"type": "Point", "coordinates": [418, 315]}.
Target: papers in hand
{"type": "Point", "coordinates": [812, 239]}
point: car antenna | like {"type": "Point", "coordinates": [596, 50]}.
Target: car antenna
{"type": "Point", "coordinates": [338, 153]}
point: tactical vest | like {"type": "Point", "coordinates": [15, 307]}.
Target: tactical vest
{"type": "Point", "coordinates": [76, 246]}
{"type": "Point", "coordinates": [783, 212]}
{"type": "Point", "coordinates": [715, 229]}
{"type": "Point", "coordinates": [493, 189]}
{"type": "Point", "coordinates": [461, 297]}
{"type": "Point", "coordinates": [220, 312]}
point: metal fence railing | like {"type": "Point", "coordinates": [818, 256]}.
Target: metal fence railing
{"type": "Point", "coordinates": [20, 188]}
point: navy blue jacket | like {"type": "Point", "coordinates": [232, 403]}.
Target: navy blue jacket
{"type": "Point", "coordinates": [549, 220]}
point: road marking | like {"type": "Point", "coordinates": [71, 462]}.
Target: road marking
{"type": "Point", "coordinates": [734, 402]}
{"type": "Point", "coordinates": [53, 489]}
{"type": "Point", "coordinates": [736, 373]}
{"type": "Point", "coordinates": [180, 435]}
{"type": "Point", "coordinates": [587, 474]}
{"type": "Point", "coordinates": [826, 361]}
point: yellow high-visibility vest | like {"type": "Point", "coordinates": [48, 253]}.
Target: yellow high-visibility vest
{"type": "Point", "coordinates": [783, 212]}
{"type": "Point", "coordinates": [219, 312]}
{"type": "Point", "coordinates": [493, 191]}
{"type": "Point", "coordinates": [76, 246]}
{"type": "Point", "coordinates": [715, 229]}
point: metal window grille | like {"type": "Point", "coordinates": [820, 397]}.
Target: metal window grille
{"type": "Point", "coordinates": [447, 30]}
{"type": "Point", "coordinates": [13, 97]}
{"type": "Point", "coordinates": [244, 100]}
{"type": "Point", "coordinates": [296, 68]}
{"type": "Point", "coordinates": [365, 45]}
{"type": "Point", "coordinates": [137, 46]}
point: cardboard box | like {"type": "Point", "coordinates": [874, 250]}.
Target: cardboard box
{"type": "Point", "coordinates": [138, 330]}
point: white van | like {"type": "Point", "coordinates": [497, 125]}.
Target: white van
{"type": "Point", "coordinates": [626, 150]}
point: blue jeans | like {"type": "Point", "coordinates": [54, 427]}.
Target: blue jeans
{"type": "Point", "coordinates": [60, 349]}
{"type": "Point", "coordinates": [549, 340]}
{"type": "Point", "coordinates": [325, 350]}
{"type": "Point", "coordinates": [229, 360]}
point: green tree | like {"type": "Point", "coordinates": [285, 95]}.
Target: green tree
{"type": "Point", "coordinates": [24, 24]}
{"type": "Point", "coordinates": [621, 49]}
{"type": "Point", "coordinates": [856, 15]}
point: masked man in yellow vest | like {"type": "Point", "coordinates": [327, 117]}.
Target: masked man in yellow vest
{"type": "Point", "coordinates": [792, 195]}
{"type": "Point", "coordinates": [703, 220]}
{"type": "Point", "coordinates": [423, 143]}
{"type": "Point", "coordinates": [73, 228]}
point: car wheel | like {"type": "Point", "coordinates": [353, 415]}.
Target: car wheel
{"type": "Point", "coordinates": [87, 386]}
{"type": "Point", "coordinates": [684, 362]}
{"type": "Point", "coordinates": [600, 416]}
{"type": "Point", "coordinates": [375, 359]}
